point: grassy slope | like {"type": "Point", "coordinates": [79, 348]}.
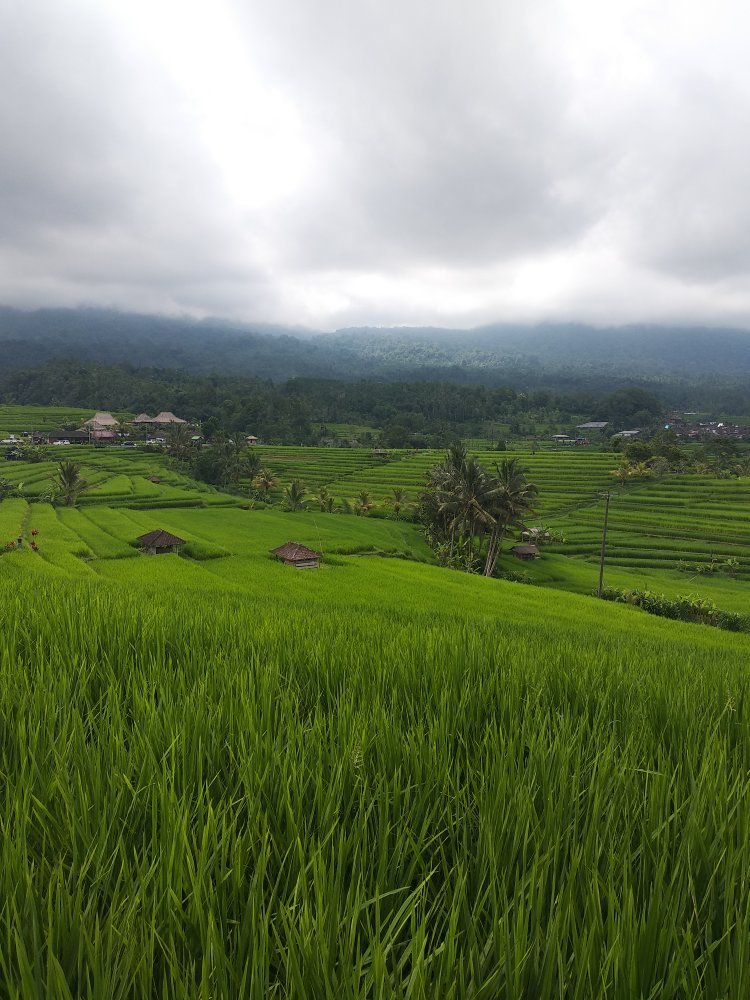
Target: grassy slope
{"type": "Point", "coordinates": [381, 779]}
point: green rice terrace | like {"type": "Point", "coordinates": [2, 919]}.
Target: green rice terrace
{"type": "Point", "coordinates": [226, 777]}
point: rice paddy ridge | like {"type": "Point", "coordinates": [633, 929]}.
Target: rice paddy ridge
{"type": "Point", "coordinates": [315, 467]}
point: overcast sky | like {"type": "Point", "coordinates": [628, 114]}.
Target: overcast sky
{"type": "Point", "coordinates": [339, 162]}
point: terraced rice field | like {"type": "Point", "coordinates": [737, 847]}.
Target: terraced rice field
{"type": "Point", "coordinates": [657, 524]}
{"type": "Point", "coordinates": [117, 477]}
{"type": "Point", "coordinates": [654, 523]}
{"type": "Point", "coordinates": [25, 419]}
{"type": "Point", "coordinates": [564, 477]}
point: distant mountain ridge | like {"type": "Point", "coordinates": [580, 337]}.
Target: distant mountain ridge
{"type": "Point", "coordinates": [563, 354]}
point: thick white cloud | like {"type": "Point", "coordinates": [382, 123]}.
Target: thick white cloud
{"type": "Point", "coordinates": [349, 161]}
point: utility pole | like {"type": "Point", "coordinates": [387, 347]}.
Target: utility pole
{"type": "Point", "coordinates": [605, 497]}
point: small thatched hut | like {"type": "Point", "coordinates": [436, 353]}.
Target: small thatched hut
{"type": "Point", "coordinates": [525, 551]}
{"type": "Point", "coordinates": [295, 554]}
{"type": "Point", "coordinates": [159, 542]}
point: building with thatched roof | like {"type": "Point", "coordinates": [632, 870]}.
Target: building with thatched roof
{"type": "Point", "coordinates": [539, 534]}
{"type": "Point", "coordinates": [296, 554]}
{"type": "Point", "coordinates": [525, 551]}
{"type": "Point", "coordinates": [159, 542]}
{"type": "Point", "coordinates": [102, 420]}
{"type": "Point", "coordinates": [166, 417]}
{"type": "Point", "coordinates": [102, 435]}
{"type": "Point", "coordinates": [161, 419]}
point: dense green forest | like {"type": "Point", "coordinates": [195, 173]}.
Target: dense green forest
{"type": "Point", "coordinates": [299, 410]}
{"type": "Point", "coordinates": [685, 366]}
{"type": "Point", "coordinates": [417, 387]}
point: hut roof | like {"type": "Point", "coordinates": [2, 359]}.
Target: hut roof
{"type": "Point", "coordinates": [294, 551]}
{"type": "Point", "coordinates": [143, 418]}
{"type": "Point", "coordinates": [525, 550]}
{"type": "Point", "coordinates": [166, 417]}
{"type": "Point", "coordinates": [160, 539]}
{"type": "Point", "coordinates": [101, 419]}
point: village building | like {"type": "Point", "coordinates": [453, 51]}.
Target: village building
{"type": "Point", "coordinates": [593, 425]}
{"type": "Point", "coordinates": [539, 534]}
{"type": "Point", "coordinates": [251, 439]}
{"type": "Point", "coordinates": [380, 453]}
{"type": "Point", "coordinates": [100, 435]}
{"type": "Point", "coordinates": [102, 420]}
{"type": "Point", "coordinates": [295, 554]}
{"type": "Point", "coordinates": [167, 417]}
{"type": "Point", "coordinates": [160, 542]}
{"type": "Point", "coordinates": [68, 437]}
{"type": "Point", "coordinates": [525, 552]}
{"type": "Point", "coordinates": [160, 420]}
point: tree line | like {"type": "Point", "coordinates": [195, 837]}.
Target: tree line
{"type": "Point", "coordinates": [300, 411]}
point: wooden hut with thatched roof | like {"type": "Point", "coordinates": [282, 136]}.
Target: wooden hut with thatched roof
{"type": "Point", "coordinates": [525, 552]}
{"type": "Point", "coordinates": [159, 542]}
{"type": "Point", "coordinates": [295, 554]}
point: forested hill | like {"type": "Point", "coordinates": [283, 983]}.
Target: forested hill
{"type": "Point", "coordinates": [565, 357]}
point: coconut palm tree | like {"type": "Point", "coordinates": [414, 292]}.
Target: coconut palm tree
{"type": "Point", "coordinates": [265, 481]}
{"type": "Point", "coordinates": [294, 496]}
{"type": "Point", "coordinates": [179, 441]}
{"type": "Point", "coordinates": [69, 482]}
{"type": "Point", "coordinates": [364, 503]}
{"type": "Point", "coordinates": [398, 500]}
{"type": "Point", "coordinates": [453, 506]}
{"type": "Point", "coordinates": [324, 500]}
{"type": "Point", "coordinates": [509, 499]}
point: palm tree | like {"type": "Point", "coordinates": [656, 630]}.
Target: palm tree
{"type": "Point", "coordinates": [179, 441]}
{"type": "Point", "coordinates": [622, 472]}
{"type": "Point", "coordinates": [364, 503]}
{"type": "Point", "coordinates": [509, 498]}
{"type": "Point", "coordinates": [266, 482]}
{"type": "Point", "coordinates": [69, 482]}
{"type": "Point", "coordinates": [294, 496]}
{"type": "Point", "coordinates": [324, 500]}
{"type": "Point", "coordinates": [453, 505]}
{"type": "Point", "coordinates": [250, 461]}
{"type": "Point", "coordinates": [398, 500]}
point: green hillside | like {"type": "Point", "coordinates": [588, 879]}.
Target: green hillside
{"type": "Point", "coordinates": [226, 777]}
